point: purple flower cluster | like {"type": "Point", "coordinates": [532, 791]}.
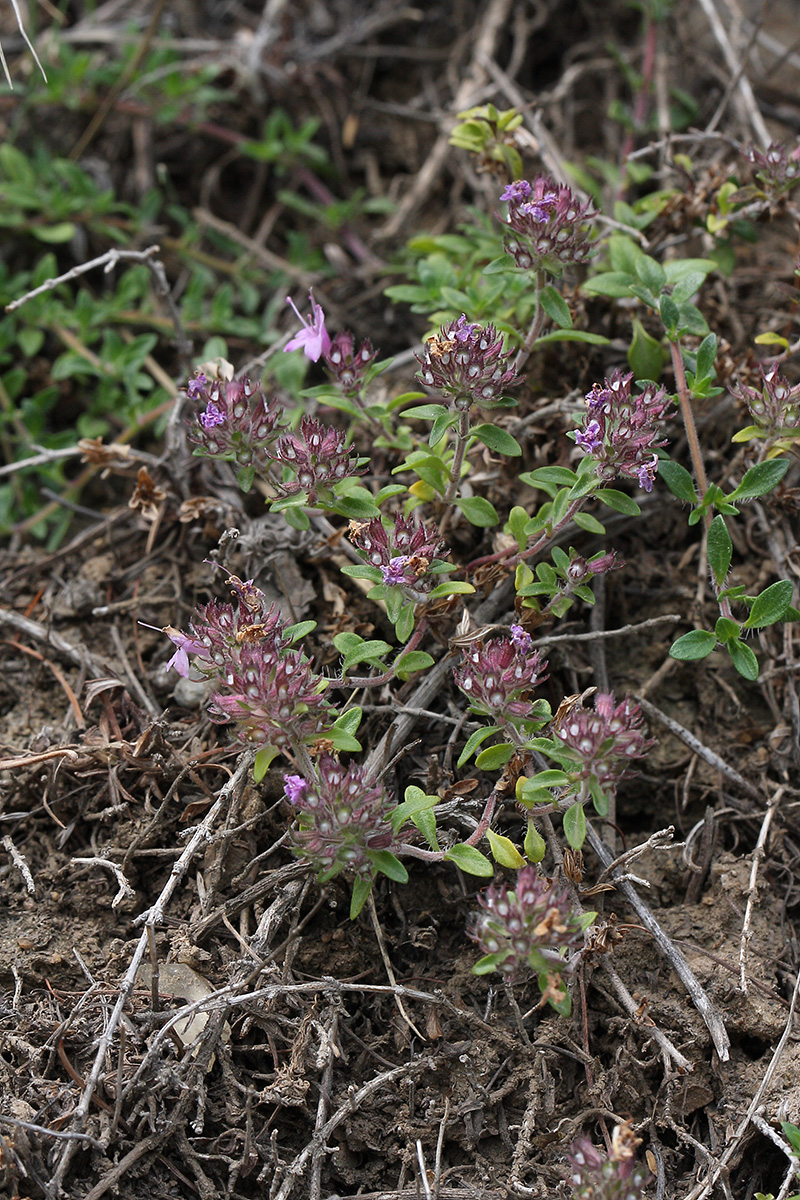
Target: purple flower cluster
{"type": "Point", "coordinates": [342, 817]}
{"type": "Point", "coordinates": [621, 430]}
{"type": "Point", "coordinates": [497, 676]}
{"type": "Point", "coordinates": [776, 405]}
{"type": "Point", "coordinates": [778, 170]}
{"type": "Point", "coordinates": [595, 1176]}
{"type": "Point", "coordinates": [548, 225]}
{"type": "Point", "coordinates": [530, 926]}
{"type": "Point", "coordinates": [602, 743]}
{"type": "Point", "coordinates": [467, 364]}
{"type": "Point", "coordinates": [318, 456]}
{"type": "Point", "coordinates": [258, 681]}
{"type": "Point", "coordinates": [237, 422]}
{"type": "Point", "coordinates": [404, 554]}
{"type": "Point", "coordinates": [348, 366]}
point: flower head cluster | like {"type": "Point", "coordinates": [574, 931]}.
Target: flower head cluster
{"type": "Point", "coordinates": [258, 681]}
{"type": "Point", "coordinates": [778, 170]}
{"type": "Point", "coordinates": [272, 694]}
{"type": "Point", "coordinates": [581, 571]}
{"type": "Point", "coordinates": [313, 338]}
{"type": "Point", "coordinates": [342, 817]}
{"type": "Point", "coordinates": [595, 1176]}
{"type": "Point", "coordinates": [348, 366]}
{"type": "Point", "coordinates": [603, 743]}
{"type": "Point", "coordinates": [621, 430]}
{"type": "Point", "coordinates": [404, 554]}
{"type": "Point", "coordinates": [496, 676]}
{"type": "Point", "coordinates": [547, 223]}
{"type": "Point", "coordinates": [467, 364]}
{"type": "Point", "coordinates": [318, 456]}
{"type": "Point", "coordinates": [237, 421]}
{"type": "Point", "coordinates": [530, 926]}
{"type": "Point", "coordinates": [775, 406]}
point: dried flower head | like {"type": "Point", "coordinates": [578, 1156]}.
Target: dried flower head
{"type": "Point", "coordinates": [621, 431]}
{"type": "Point", "coordinates": [775, 407]}
{"type": "Point", "coordinates": [778, 169]}
{"type": "Point", "coordinates": [341, 817]}
{"type": "Point", "coordinates": [599, 745]}
{"type": "Point", "coordinates": [497, 676]}
{"type": "Point", "coordinates": [347, 365]}
{"type": "Point", "coordinates": [467, 364]}
{"type": "Point", "coordinates": [404, 553]}
{"type": "Point", "coordinates": [313, 338]}
{"type": "Point", "coordinates": [548, 225]}
{"type": "Point", "coordinates": [532, 925]}
{"type": "Point", "coordinates": [596, 1176]}
{"type": "Point", "coordinates": [237, 422]}
{"type": "Point", "coordinates": [318, 456]}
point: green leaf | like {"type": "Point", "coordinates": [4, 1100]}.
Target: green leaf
{"type": "Point", "coordinates": [697, 644]}
{"type": "Point", "coordinates": [263, 760]}
{"type": "Point", "coordinates": [760, 479]}
{"type": "Point", "coordinates": [572, 335]}
{"type": "Point", "coordinates": [368, 652]}
{"type": "Point", "coordinates": [349, 721]}
{"type": "Point", "coordinates": [770, 338]}
{"type": "Point", "coordinates": [562, 476]}
{"type": "Point", "coordinates": [495, 757]}
{"type": "Point", "coordinates": [678, 480]}
{"type": "Point", "coordinates": [426, 412]}
{"type": "Point", "coordinates": [575, 825]}
{"type": "Point", "coordinates": [478, 511]}
{"type": "Point", "coordinates": [727, 630]}
{"type": "Point", "coordinates": [620, 501]}
{"type": "Point", "coordinates": [555, 306]}
{"type": "Point", "coordinates": [517, 524]}
{"type": "Point", "coordinates": [646, 355]}
{"type": "Point", "coordinates": [413, 660]}
{"type": "Point", "coordinates": [651, 273]}
{"type": "Point", "coordinates": [473, 742]}
{"type": "Point", "coordinates": [490, 962]}
{"type": "Point", "coordinates": [542, 779]}
{"type": "Point", "coordinates": [415, 802]}
{"type": "Point", "coordinates": [720, 549]}
{"type": "Point", "coordinates": [534, 844]}
{"type": "Point", "coordinates": [54, 234]}
{"type": "Point", "coordinates": [616, 284]}
{"type": "Point", "coordinates": [388, 865]}
{"type": "Point", "coordinates": [706, 354]}
{"type": "Point", "coordinates": [770, 606]}
{"type": "Point", "coordinates": [497, 439]}
{"type": "Point", "coordinates": [361, 891]}
{"type": "Point", "coordinates": [470, 860]}
{"type": "Point", "coordinates": [298, 631]}
{"type": "Point", "coordinates": [588, 522]}
{"type": "Point", "coordinates": [677, 269]}
{"type": "Point", "coordinates": [743, 659]}
{"type": "Point", "coordinates": [453, 587]}
{"type": "Point", "coordinates": [404, 622]}
{"type": "Point", "coordinates": [504, 851]}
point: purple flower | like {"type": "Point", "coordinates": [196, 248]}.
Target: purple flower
{"type": "Point", "coordinates": [342, 817]}
{"type": "Point", "coordinates": [238, 422]}
{"type": "Point", "coordinates": [467, 364]}
{"type": "Point", "coordinates": [602, 744]}
{"type": "Point", "coordinates": [186, 645]}
{"type": "Point", "coordinates": [517, 191]}
{"type": "Point", "coordinates": [195, 386]}
{"type": "Point", "coordinates": [547, 224]}
{"type": "Point", "coordinates": [347, 366]}
{"type": "Point", "coordinates": [313, 338]}
{"type": "Point", "coordinates": [497, 676]}
{"type": "Point", "coordinates": [404, 554]}
{"type": "Point", "coordinates": [622, 430]}
{"type": "Point", "coordinates": [595, 1176]}
{"type": "Point", "coordinates": [318, 456]}
{"type": "Point", "coordinates": [294, 787]}
{"type": "Point", "coordinates": [533, 925]}
{"type": "Point", "coordinates": [520, 638]}
{"type": "Point", "coordinates": [394, 573]}
{"type": "Point", "coordinates": [582, 571]}
{"type": "Point", "coordinates": [211, 417]}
